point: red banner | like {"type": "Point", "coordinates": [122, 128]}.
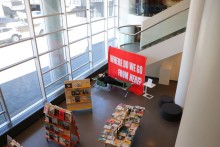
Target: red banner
{"type": "Point", "coordinates": [127, 66]}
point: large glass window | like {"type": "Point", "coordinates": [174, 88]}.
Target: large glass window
{"type": "Point", "coordinates": [53, 43]}
{"type": "Point", "coordinates": [78, 32]}
{"type": "Point", "coordinates": [98, 48]}
{"type": "Point", "coordinates": [13, 23]}
{"type": "Point", "coordinates": [78, 48]}
{"type": "Point", "coordinates": [20, 86]}
{"type": "Point", "coordinates": [97, 9]}
{"type": "Point", "coordinates": [15, 53]}
{"type": "Point", "coordinates": [98, 26]}
{"type": "Point", "coordinates": [2, 115]}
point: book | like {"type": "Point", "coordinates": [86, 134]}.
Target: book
{"type": "Point", "coordinates": [67, 117]}
{"type": "Point", "coordinates": [65, 125]}
{"type": "Point", "coordinates": [77, 99]}
{"type": "Point", "coordinates": [68, 85]}
{"type": "Point", "coordinates": [46, 108]}
{"type": "Point", "coordinates": [61, 114]}
{"type": "Point", "coordinates": [51, 110]}
{"type": "Point", "coordinates": [55, 121]}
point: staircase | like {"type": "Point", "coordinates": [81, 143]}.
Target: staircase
{"type": "Point", "coordinates": [161, 36]}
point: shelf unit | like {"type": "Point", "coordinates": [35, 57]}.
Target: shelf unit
{"type": "Point", "coordinates": [78, 94]}
{"type": "Point", "coordinates": [60, 126]}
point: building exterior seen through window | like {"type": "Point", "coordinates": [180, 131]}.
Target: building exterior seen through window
{"type": "Point", "coordinates": [45, 42]}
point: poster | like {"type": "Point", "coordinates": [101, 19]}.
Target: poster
{"type": "Point", "coordinates": [129, 67]}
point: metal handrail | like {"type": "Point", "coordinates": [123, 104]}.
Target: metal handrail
{"type": "Point", "coordinates": [148, 27]}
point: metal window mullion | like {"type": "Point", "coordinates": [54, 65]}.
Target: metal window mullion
{"type": "Point", "coordinates": [66, 38]}
{"type": "Point", "coordinates": [35, 51]}
{"type": "Point", "coordinates": [49, 15]}
{"type": "Point", "coordinates": [98, 20]}
{"type": "Point", "coordinates": [55, 67]}
{"type": "Point", "coordinates": [81, 66]}
{"type": "Point", "coordinates": [117, 23]}
{"type": "Point", "coordinates": [78, 40]}
{"type": "Point", "coordinates": [56, 80]}
{"type": "Point", "coordinates": [20, 41]}
{"type": "Point", "coordinates": [49, 51]}
{"type": "Point", "coordinates": [17, 63]}
{"type": "Point", "coordinates": [106, 28]}
{"type": "Point", "coordinates": [50, 33]}
{"type": "Point", "coordinates": [79, 55]}
{"type": "Point", "coordinates": [2, 112]}
{"type": "Point", "coordinates": [98, 33]}
{"type": "Point", "coordinates": [89, 33]}
{"type": "Point", "coordinates": [111, 16]}
{"type": "Point", "coordinates": [5, 108]}
{"type": "Point", "coordinates": [76, 11]}
{"type": "Point", "coordinates": [69, 28]}
{"type": "Point", "coordinates": [112, 28]}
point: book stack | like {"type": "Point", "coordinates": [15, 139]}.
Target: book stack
{"type": "Point", "coordinates": [121, 128]}
{"type": "Point", "coordinates": [12, 143]}
{"type": "Point", "coordinates": [59, 124]}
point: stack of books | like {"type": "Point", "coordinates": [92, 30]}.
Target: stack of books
{"type": "Point", "coordinates": [121, 128]}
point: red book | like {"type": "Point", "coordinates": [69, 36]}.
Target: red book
{"type": "Point", "coordinates": [61, 114]}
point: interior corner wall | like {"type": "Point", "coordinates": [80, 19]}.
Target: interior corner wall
{"type": "Point", "coordinates": [153, 70]}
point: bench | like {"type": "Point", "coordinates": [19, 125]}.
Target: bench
{"type": "Point", "coordinates": [126, 86]}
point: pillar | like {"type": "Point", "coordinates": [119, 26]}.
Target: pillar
{"type": "Point", "coordinates": [200, 124]}
{"type": "Point", "coordinates": [54, 23]}
{"type": "Point", "coordinates": [191, 37]}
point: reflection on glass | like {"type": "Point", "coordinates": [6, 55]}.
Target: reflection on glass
{"type": "Point", "coordinates": [50, 42]}
{"type": "Point", "coordinates": [57, 85]}
{"type": "Point", "coordinates": [112, 2]}
{"type": "Point", "coordinates": [20, 87]}
{"type": "Point", "coordinates": [111, 11]}
{"type": "Point", "coordinates": [2, 116]}
{"type": "Point", "coordinates": [75, 5]}
{"type": "Point", "coordinates": [46, 60]}
{"type": "Point", "coordinates": [77, 33]}
{"type": "Point", "coordinates": [54, 74]}
{"type": "Point", "coordinates": [97, 9]}
{"type": "Point", "coordinates": [112, 43]}
{"type": "Point", "coordinates": [76, 18]}
{"type": "Point", "coordinates": [79, 61]}
{"type": "Point", "coordinates": [111, 22]}
{"type": "Point", "coordinates": [15, 53]}
{"type": "Point", "coordinates": [13, 22]}
{"type": "Point", "coordinates": [98, 26]}
{"type": "Point", "coordinates": [49, 7]}
{"type": "Point", "coordinates": [47, 24]}
{"type": "Point", "coordinates": [78, 48]}
{"type": "Point", "coordinates": [111, 34]}
{"type": "Point", "coordinates": [98, 48]}
{"type": "Point", "coordinates": [80, 71]}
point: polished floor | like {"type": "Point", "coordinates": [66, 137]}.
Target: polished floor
{"type": "Point", "coordinates": [153, 132]}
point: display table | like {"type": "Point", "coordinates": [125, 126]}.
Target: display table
{"type": "Point", "coordinates": [120, 129]}
{"type": "Point", "coordinates": [150, 85]}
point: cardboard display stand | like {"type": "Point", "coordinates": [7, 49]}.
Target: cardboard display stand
{"type": "Point", "coordinates": [78, 94]}
{"type": "Point", "coordinates": [60, 126]}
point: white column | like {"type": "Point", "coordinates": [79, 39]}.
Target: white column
{"type": "Point", "coordinates": [200, 124]}
{"type": "Point", "coordinates": [54, 23]}
{"type": "Point", "coordinates": [191, 37]}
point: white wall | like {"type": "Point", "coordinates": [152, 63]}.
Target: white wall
{"type": "Point", "coordinates": [161, 52]}
{"type": "Point", "coordinates": [153, 70]}
{"type": "Point", "coordinates": [200, 124]}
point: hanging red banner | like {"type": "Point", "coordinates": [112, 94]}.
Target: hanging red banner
{"type": "Point", "coordinates": [129, 67]}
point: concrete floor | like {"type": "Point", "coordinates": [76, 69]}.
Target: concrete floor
{"type": "Point", "coordinates": [153, 132]}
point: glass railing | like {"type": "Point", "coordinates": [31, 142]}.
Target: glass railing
{"type": "Point", "coordinates": [156, 33]}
